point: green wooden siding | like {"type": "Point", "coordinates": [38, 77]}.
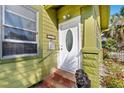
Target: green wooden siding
{"type": "Point", "coordinates": [49, 25]}
{"type": "Point", "coordinates": [24, 72]}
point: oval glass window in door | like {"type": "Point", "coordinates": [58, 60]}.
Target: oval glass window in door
{"type": "Point", "coordinates": [69, 40]}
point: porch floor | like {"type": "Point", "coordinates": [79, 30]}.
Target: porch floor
{"type": "Point", "coordinates": [58, 79]}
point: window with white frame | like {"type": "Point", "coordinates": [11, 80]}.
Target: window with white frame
{"type": "Point", "coordinates": [19, 31]}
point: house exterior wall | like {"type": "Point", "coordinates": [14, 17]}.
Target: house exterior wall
{"type": "Point", "coordinates": [91, 42]}
{"type": "Point", "coordinates": [49, 25]}
{"type": "Point", "coordinates": [26, 71]}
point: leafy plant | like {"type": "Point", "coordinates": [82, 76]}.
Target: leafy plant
{"type": "Point", "coordinates": [122, 11]}
{"type": "Point", "coordinates": [116, 30]}
{"type": "Point", "coordinates": [110, 44]}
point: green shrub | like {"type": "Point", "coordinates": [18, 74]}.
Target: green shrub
{"type": "Point", "coordinates": [111, 44]}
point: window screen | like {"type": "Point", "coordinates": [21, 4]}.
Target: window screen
{"type": "Point", "coordinates": [10, 48]}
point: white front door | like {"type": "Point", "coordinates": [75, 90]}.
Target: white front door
{"type": "Point", "coordinates": [69, 40]}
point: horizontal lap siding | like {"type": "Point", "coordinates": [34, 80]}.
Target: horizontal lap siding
{"type": "Point", "coordinates": [24, 73]}
{"type": "Point", "coordinates": [49, 28]}
{"type": "Point", "coordinates": [28, 72]}
{"type": "Point", "coordinates": [21, 74]}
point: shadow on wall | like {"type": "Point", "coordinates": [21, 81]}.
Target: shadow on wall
{"type": "Point", "coordinates": [19, 74]}
{"type": "Point", "coordinates": [26, 73]}
{"type": "Point", "coordinates": [53, 16]}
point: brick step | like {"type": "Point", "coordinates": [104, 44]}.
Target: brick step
{"type": "Point", "coordinates": [55, 84]}
{"type": "Point", "coordinates": [58, 79]}
{"type": "Point", "coordinates": [61, 83]}
{"type": "Point", "coordinates": [44, 84]}
{"type": "Point", "coordinates": [65, 74]}
{"type": "Point", "coordinates": [65, 81]}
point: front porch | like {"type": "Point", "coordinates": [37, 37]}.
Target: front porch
{"type": "Point", "coordinates": [27, 70]}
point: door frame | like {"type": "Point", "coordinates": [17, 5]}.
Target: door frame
{"type": "Point", "coordinates": [76, 21]}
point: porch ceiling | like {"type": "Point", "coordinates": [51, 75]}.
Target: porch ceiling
{"type": "Point", "coordinates": [52, 6]}
{"type": "Point", "coordinates": [104, 14]}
